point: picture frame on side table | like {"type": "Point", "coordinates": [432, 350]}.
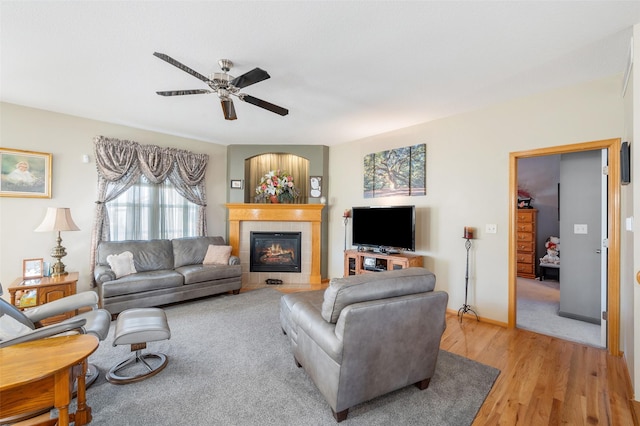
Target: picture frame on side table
{"type": "Point", "coordinates": [32, 268]}
{"type": "Point", "coordinates": [25, 174]}
{"type": "Point", "coordinates": [236, 184]}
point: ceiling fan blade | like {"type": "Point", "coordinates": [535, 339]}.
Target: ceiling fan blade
{"type": "Point", "coordinates": [183, 92]}
{"type": "Point", "coordinates": [228, 109]}
{"type": "Point", "coordinates": [183, 67]}
{"type": "Point", "coordinates": [264, 104]}
{"type": "Point", "coordinates": [254, 76]}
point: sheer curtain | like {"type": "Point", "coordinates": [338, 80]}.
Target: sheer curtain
{"type": "Point", "coordinates": [121, 163]}
{"type": "Point", "coordinates": [256, 167]}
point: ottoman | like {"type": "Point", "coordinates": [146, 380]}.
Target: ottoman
{"type": "Point", "coordinates": [136, 327]}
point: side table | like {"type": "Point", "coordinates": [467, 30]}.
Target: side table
{"type": "Point", "coordinates": [47, 290]}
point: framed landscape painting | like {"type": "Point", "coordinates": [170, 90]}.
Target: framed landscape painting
{"type": "Point", "coordinates": [25, 174]}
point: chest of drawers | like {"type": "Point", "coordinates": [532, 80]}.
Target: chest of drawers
{"type": "Point", "coordinates": [526, 243]}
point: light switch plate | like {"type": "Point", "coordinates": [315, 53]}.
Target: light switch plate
{"type": "Point", "coordinates": [580, 228]}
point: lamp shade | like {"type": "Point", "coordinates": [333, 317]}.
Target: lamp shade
{"type": "Point", "coordinates": [57, 219]}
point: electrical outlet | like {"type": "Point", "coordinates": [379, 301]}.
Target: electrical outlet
{"type": "Point", "coordinates": [491, 228]}
{"type": "Point", "coordinates": [580, 228]}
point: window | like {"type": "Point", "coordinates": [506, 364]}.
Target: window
{"type": "Point", "coordinates": [150, 211]}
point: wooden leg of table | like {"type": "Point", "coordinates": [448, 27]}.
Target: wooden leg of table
{"type": "Point", "coordinates": [62, 395]}
{"type": "Point", "coordinates": [83, 413]}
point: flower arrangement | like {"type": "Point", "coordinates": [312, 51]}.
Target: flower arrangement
{"type": "Point", "coordinates": [279, 184]}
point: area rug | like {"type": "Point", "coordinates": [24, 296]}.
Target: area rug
{"type": "Point", "coordinates": [230, 364]}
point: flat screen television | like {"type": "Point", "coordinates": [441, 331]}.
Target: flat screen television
{"type": "Point", "coordinates": [384, 228]}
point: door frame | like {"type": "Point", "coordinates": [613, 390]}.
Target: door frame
{"type": "Point", "coordinates": [613, 229]}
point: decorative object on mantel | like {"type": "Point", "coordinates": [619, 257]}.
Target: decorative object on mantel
{"type": "Point", "coordinates": [468, 236]}
{"type": "Point", "coordinates": [316, 186]}
{"type": "Point", "coordinates": [58, 219]}
{"type": "Point", "coordinates": [276, 186]}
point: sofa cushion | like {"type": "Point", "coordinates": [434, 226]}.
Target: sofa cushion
{"type": "Point", "coordinates": [200, 273]}
{"type": "Point", "coordinates": [141, 282]}
{"type": "Point", "coordinates": [152, 255]}
{"type": "Point", "coordinates": [343, 292]}
{"type": "Point", "coordinates": [192, 250]}
{"type": "Point", "coordinates": [217, 255]}
{"type": "Point", "coordinates": [122, 264]}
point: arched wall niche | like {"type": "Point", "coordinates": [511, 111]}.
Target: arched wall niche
{"type": "Point", "coordinates": [255, 167]}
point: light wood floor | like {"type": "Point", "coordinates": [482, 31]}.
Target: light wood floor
{"type": "Point", "coordinates": [543, 380]}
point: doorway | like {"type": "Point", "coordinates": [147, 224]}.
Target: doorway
{"type": "Point", "coordinates": [559, 281]}
{"type": "Point", "coordinates": [613, 230]}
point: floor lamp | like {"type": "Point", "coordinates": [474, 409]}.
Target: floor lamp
{"type": "Point", "coordinates": [468, 236]}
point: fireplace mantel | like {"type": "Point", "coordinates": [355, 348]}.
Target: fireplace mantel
{"type": "Point", "coordinates": [312, 213]}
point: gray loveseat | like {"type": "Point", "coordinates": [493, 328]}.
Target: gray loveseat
{"type": "Point", "coordinates": [167, 271]}
{"type": "Point", "coordinates": [367, 335]}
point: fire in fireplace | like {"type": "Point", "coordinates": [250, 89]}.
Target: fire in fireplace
{"type": "Point", "coordinates": [275, 252]}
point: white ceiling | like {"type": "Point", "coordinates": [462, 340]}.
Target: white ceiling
{"type": "Point", "coordinates": [345, 70]}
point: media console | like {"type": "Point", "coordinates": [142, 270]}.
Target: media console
{"type": "Point", "coordinates": [363, 262]}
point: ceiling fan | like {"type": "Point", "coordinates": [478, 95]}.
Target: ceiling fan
{"type": "Point", "coordinates": [225, 85]}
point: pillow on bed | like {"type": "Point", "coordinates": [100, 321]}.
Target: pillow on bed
{"type": "Point", "coordinates": [122, 264]}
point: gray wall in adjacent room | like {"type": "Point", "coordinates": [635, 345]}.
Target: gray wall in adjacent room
{"type": "Point", "coordinates": [540, 176]}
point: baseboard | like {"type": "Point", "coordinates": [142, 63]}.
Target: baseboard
{"type": "Point", "coordinates": [481, 319]}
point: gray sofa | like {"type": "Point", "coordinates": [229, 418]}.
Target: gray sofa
{"type": "Point", "coordinates": [167, 271]}
{"type": "Point", "coordinates": [366, 335]}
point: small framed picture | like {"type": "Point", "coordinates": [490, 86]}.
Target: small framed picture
{"type": "Point", "coordinates": [32, 268]}
{"type": "Point", "coordinates": [236, 184]}
{"type": "Point", "coordinates": [315, 185]}
{"type": "Point", "coordinates": [25, 174]}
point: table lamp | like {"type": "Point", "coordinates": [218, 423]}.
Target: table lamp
{"type": "Point", "coordinates": [58, 219]}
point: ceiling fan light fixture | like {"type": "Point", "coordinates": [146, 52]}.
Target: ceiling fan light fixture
{"type": "Point", "coordinates": [228, 109]}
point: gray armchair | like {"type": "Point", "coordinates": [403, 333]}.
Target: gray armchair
{"type": "Point", "coordinates": [367, 335]}
{"type": "Point", "coordinates": [95, 321]}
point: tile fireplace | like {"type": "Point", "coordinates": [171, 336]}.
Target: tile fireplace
{"type": "Point", "coordinates": [284, 218]}
{"type": "Point", "coordinates": [275, 252]}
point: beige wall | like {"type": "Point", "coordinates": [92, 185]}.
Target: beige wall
{"type": "Point", "coordinates": [467, 181]}
{"type": "Point", "coordinates": [74, 184]}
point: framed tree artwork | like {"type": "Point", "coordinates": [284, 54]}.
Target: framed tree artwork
{"type": "Point", "coordinates": [399, 171]}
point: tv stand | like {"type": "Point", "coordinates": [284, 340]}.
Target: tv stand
{"type": "Point", "coordinates": [364, 262]}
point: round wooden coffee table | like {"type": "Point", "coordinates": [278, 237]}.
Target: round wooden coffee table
{"type": "Point", "coordinates": [40, 374]}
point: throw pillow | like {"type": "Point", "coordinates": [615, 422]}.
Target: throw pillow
{"type": "Point", "coordinates": [122, 264]}
{"type": "Point", "coordinates": [11, 327]}
{"type": "Point", "coordinates": [217, 255]}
